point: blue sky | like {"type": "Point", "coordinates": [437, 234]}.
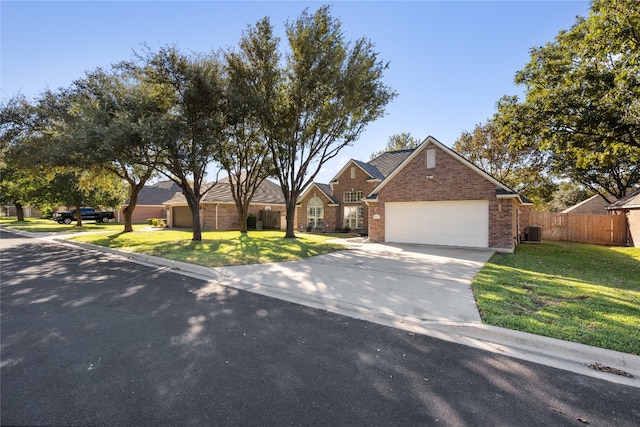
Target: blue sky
{"type": "Point", "coordinates": [450, 61]}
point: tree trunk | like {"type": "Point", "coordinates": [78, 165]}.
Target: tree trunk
{"type": "Point", "coordinates": [194, 205]}
{"type": "Point", "coordinates": [243, 214]}
{"type": "Point", "coordinates": [193, 201]}
{"type": "Point", "coordinates": [291, 214]}
{"type": "Point", "coordinates": [128, 215]}
{"type": "Point", "coordinates": [78, 216]}
{"type": "Point", "coordinates": [197, 229]}
{"type": "Point", "coordinates": [19, 211]}
{"type": "Point", "coordinates": [128, 210]}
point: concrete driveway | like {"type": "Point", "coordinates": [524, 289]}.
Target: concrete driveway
{"type": "Point", "coordinates": [421, 284]}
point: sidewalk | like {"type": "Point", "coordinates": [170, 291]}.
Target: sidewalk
{"type": "Point", "coordinates": [419, 289]}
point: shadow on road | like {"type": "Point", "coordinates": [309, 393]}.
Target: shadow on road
{"type": "Point", "coordinates": [93, 339]}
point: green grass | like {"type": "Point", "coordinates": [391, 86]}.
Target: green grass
{"type": "Point", "coordinates": [217, 248]}
{"type": "Point", "coordinates": [36, 225]}
{"type": "Point", "coordinates": [575, 292]}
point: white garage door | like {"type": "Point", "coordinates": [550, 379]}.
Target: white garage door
{"type": "Point", "coordinates": [457, 223]}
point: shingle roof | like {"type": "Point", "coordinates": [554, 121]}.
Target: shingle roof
{"type": "Point", "coordinates": [387, 162]}
{"type": "Point", "coordinates": [167, 185]}
{"type": "Point", "coordinates": [627, 202]}
{"type": "Point", "coordinates": [156, 194]}
{"type": "Point", "coordinates": [523, 199]}
{"type": "Point", "coordinates": [267, 193]}
{"type": "Point", "coordinates": [370, 169]}
{"type": "Point", "coordinates": [326, 189]}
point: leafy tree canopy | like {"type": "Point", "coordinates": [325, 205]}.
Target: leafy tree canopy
{"type": "Point", "coordinates": [330, 90]}
{"type": "Point", "coordinates": [398, 141]}
{"type": "Point", "coordinates": [581, 102]}
{"type": "Point", "coordinates": [521, 167]}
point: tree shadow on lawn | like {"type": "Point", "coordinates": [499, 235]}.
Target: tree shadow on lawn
{"type": "Point", "coordinates": [261, 249]}
{"type": "Point", "coordinates": [239, 249]}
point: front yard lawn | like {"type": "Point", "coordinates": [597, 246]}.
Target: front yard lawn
{"type": "Point", "coordinates": [36, 225]}
{"type": "Point", "coordinates": [217, 248]}
{"type": "Point", "coordinates": [575, 292]}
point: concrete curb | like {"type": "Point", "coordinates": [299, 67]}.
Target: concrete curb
{"type": "Point", "coordinates": [609, 365]}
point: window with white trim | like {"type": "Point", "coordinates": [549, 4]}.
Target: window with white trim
{"type": "Point", "coordinates": [315, 212]}
{"type": "Point", "coordinates": [352, 197]}
{"type": "Point", "coordinates": [353, 216]}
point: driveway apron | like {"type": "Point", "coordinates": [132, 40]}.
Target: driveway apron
{"type": "Point", "coordinates": [414, 282]}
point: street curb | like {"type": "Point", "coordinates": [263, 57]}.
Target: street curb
{"type": "Point", "coordinates": [579, 358]}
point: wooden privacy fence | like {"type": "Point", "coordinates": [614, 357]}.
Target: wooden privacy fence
{"type": "Point", "coordinates": [596, 229]}
{"type": "Point", "coordinates": [270, 219]}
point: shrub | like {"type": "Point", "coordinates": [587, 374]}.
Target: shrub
{"type": "Point", "coordinates": [150, 221]}
{"type": "Point", "coordinates": [309, 228]}
{"type": "Point", "coordinates": [251, 221]}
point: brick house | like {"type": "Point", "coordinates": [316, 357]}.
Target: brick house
{"type": "Point", "coordinates": [340, 204]}
{"type": "Point", "coordinates": [594, 205]}
{"type": "Point", "coordinates": [427, 195]}
{"type": "Point", "coordinates": [218, 210]}
{"type": "Point", "coordinates": [150, 202]}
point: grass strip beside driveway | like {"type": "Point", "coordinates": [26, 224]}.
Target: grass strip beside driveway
{"type": "Point", "coordinates": [217, 248]}
{"type": "Point", "coordinates": [576, 292]}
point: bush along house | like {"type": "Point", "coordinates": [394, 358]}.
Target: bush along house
{"type": "Point", "coordinates": [427, 195]}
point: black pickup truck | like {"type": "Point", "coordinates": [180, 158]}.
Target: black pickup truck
{"type": "Point", "coordinates": [87, 213]}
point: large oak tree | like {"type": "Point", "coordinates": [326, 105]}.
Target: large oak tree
{"type": "Point", "coordinates": [191, 134]}
{"type": "Point", "coordinates": [582, 93]}
{"type": "Point", "coordinates": [116, 118]}
{"type": "Point", "coordinates": [330, 90]}
{"type": "Point", "coordinates": [252, 76]}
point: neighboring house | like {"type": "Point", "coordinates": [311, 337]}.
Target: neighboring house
{"type": "Point", "coordinates": [218, 210]}
{"type": "Point", "coordinates": [29, 211]}
{"type": "Point", "coordinates": [428, 195]}
{"type": "Point", "coordinates": [150, 202]}
{"type": "Point", "coordinates": [594, 205]}
{"type": "Point", "coordinates": [630, 207]}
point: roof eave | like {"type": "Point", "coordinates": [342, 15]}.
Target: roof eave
{"type": "Point", "coordinates": [612, 208]}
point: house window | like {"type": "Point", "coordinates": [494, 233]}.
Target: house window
{"type": "Point", "coordinates": [352, 196]}
{"type": "Point", "coordinates": [315, 212]}
{"type": "Point", "coordinates": [431, 158]}
{"type": "Point", "coordinates": [353, 216]}
{"type": "Point", "coordinates": [353, 172]}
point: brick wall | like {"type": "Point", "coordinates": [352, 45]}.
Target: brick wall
{"type": "Point", "coordinates": [227, 215]}
{"type": "Point", "coordinates": [450, 180]}
{"type": "Point", "coordinates": [348, 184]}
{"type": "Point", "coordinates": [142, 213]}
{"type": "Point", "coordinates": [330, 212]}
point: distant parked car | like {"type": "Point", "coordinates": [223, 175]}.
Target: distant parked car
{"type": "Point", "coordinates": [87, 213]}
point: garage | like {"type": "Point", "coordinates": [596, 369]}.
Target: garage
{"type": "Point", "coordinates": [182, 217]}
{"type": "Point", "coordinates": [449, 223]}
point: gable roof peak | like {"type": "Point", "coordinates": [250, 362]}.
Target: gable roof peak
{"type": "Point", "coordinates": [432, 141]}
{"type": "Point", "coordinates": [388, 161]}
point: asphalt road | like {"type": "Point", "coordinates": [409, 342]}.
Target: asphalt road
{"type": "Point", "coordinates": [92, 339]}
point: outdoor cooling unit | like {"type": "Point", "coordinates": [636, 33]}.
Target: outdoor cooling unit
{"type": "Point", "coordinates": [533, 233]}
